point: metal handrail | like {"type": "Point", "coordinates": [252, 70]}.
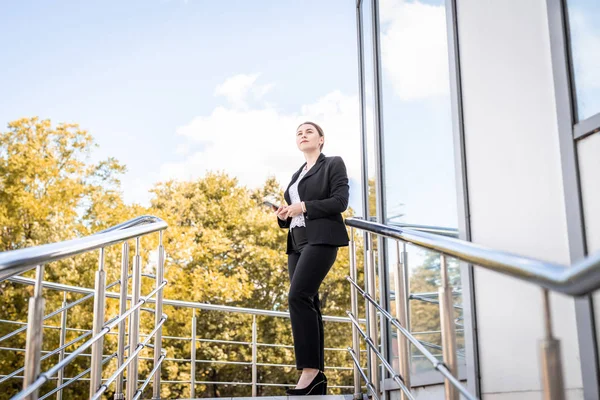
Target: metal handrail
{"type": "Point", "coordinates": [20, 261]}
{"type": "Point", "coordinates": [437, 364]}
{"type": "Point", "coordinates": [76, 378]}
{"type": "Point", "coordinates": [395, 376]}
{"type": "Point", "coordinates": [372, 389]}
{"type": "Point", "coordinates": [16, 262]}
{"type": "Point", "coordinates": [56, 312]}
{"type": "Point", "coordinates": [131, 358]}
{"type": "Point", "coordinates": [194, 305]}
{"type": "Point", "coordinates": [177, 303]}
{"type": "Point", "coordinates": [437, 230]}
{"type": "Point", "coordinates": [580, 279]}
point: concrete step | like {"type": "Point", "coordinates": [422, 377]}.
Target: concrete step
{"type": "Point", "coordinates": [326, 397]}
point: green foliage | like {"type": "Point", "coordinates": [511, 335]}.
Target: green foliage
{"type": "Point", "coordinates": [222, 247]}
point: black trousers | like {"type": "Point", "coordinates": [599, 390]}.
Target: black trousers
{"type": "Point", "coordinates": [307, 266]}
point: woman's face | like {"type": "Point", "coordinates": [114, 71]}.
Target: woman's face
{"type": "Point", "coordinates": [308, 139]}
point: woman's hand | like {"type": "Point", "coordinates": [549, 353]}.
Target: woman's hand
{"type": "Point", "coordinates": [286, 212]}
{"type": "Point", "coordinates": [280, 212]}
{"type": "Point", "coordinates": [294, 210]}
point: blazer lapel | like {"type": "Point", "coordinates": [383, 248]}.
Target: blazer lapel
{"type": "Point", "coordinates": [295, 177]}
{"type": "Point", "coordinates": [315, 167]}
{"type": "Point", "coordinates": [310, 172]}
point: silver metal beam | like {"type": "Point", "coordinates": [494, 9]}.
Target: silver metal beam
{"type": "Point", "coordinates": [580, 279]}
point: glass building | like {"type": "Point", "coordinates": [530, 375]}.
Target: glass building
{"type": "Point", "coordinates": [481, 119]}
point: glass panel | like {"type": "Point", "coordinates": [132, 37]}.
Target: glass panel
{"type": "Point", "coordinates": [585, 50]}
{"type": "Point", "coordinates": [425, 279]}
{"type": "Point", "coordinates": [589, 170]}
{"type": "Point", "coordinates": [419, 153]}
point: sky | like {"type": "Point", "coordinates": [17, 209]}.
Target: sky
{"type": "Point", "coordinates": [174, 88]}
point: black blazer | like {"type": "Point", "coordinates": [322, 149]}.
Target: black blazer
{"type": "Point", "coordinates": [325, 191]}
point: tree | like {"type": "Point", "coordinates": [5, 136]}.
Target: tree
{"type": "Point", "coordinates": [222, 247]}
{"type": "Point", "coordinates": [50, 192]}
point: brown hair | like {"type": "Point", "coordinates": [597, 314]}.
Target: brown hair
{"type": "Point", "coordinates": [317, 127]}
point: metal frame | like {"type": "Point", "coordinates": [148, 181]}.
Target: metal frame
{"type": "Point", "coordinates": [569, 133]}
{"type": "Point", "coordinates": [587, 127]}
{"type": "Point", "coordinates": [380, 203]}
{"type": "Point", "coordinates": [466, 270]}
{"type": "Point", "coordinates": [146, 338]}
{"type": "Point", "coordinates": [560, 36]}
{"type": "Point", "coordinates": [464, 220]}
{"type": "Point", "coordinates": [364, 152]}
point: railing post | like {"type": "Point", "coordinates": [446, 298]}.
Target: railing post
{"type": "Point", "coordinates": [354, 306]}
{"type": "Point", "coordinates": [97, 347]}
{"type": "Point", "coordinates": [406, 275]}
{"type": "Point", "coordinates": [402, 314]}
{"type": "Point", "coordinates": [33, 345]}
{"type": "Point", "coordinates": [448, 329]}
{"type": "Point", "coordinates": [134, 322]}
{"type": "Point", "coordinates": [372, 315]}
{"type": "Point", "coordinates": [122, 309]}
{"type": "Point", "coordinates": [254, 357]}
{"type": "Point", "coordinates": [552, 374]}
{"type": "Point", "coordinates": [160, 271]}
{"type": "Point", "coordinates": [63, 337]}
{"type": "Point", "coordinates": [193, 356]}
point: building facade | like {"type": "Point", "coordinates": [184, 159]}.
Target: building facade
{"type": "Point", "coordinates": [482, 117]}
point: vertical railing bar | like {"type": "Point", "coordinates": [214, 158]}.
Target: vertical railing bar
{"type": "Point", "coordinates": [33, 346]}
{"type": "Point", "coordinates": [158, 316]}
{"type": "Point", "coordinates": [193, 356]}
{"type": "Point", "coordinates": [354, 307]}
{"type": "Point", "coordinates": [448, 329]}
{"type": "Point", "coordinates": [372, 316]}
{"type": "Point", "coordinates": [98, 322]}
{"type": "Point", "coordinates": [406, 272]}
{"type": "Point", "coordinates": [254, 357]}
{"type": "Point", "coordinates": [63, 338]}
{"type": "Point", "coordinates": [547, 314]}
{"type": "Point", "coordinates": [122, 325]}
{"type": "Point", "coordinates": [134, 322]}
{"type": "Point", "coordinates": [551, 359]}
{"type": "Point", "coordinates": [401, 314]}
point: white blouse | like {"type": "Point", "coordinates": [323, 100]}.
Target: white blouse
{"type": "Point", "coordinates": [298, 220]}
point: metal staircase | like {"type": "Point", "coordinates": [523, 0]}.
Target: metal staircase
{"type": "Point", "coordinates": [376, 372]}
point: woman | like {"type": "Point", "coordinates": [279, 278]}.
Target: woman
{"type": "Point", "coordinates": [317, 195]}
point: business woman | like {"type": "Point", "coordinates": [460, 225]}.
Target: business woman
{"type": "Point", "coordinates": [316, 197]}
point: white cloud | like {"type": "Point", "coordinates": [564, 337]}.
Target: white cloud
{"type": "Point", "coordinates": [253, 143]}
{"type": "Point", "coordinates": [238, 88]}
{"type": "Point", "coordinates": [414, 48]}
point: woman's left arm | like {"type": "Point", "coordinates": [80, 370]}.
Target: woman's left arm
{"type": "Point", "coordinates": [338, 201]}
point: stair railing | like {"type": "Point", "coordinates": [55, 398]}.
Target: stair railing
{"type": "Point", "coordinates": [16, 262]}
{"type": "Point", "coordinates": [579, 279]}
{"type": "Point", "coordinates": [181, 306]}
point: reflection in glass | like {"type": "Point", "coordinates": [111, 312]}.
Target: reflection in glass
{"type": "Point", "coordinates": [585, 49]}
{"type": "Point", "coordinates": [419, 182]}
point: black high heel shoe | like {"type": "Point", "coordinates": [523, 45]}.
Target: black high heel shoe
{"type": "Point", "coordinates": [318, 386]}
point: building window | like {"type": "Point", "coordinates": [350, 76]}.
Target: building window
{"type": "Point", "coordinates": [584, 34]}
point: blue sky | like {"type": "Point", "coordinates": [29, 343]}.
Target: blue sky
{"type": "Point", "coordinates": [173, 88]}
{"type": "Point", "coordinates": [133, 72]}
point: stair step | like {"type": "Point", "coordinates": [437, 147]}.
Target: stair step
{"type": "Point", "coordinates": [324, 397]}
